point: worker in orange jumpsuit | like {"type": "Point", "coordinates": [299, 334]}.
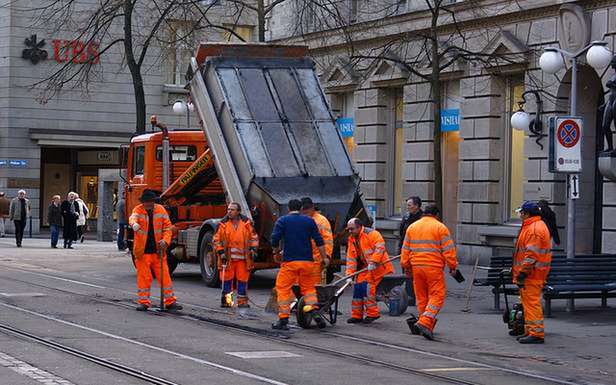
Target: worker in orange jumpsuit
{"type": "Point", "coordinates": [531, 265]}
{"type": "Point", "coordinates": [236, 244]}
{"type": "Point", "coordinates": [325, 229]}
{"type": "Point", "coordinates": [297, 264]}
{"type": "Point", "coordinates": [426, 249]}
{"type": "Point", "coordinates": [152, 228]}
{"type": "Point", "coordinates": [366, 249]}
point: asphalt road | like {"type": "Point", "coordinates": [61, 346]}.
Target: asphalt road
{"type": "Point", "coordinates": [82, 303]}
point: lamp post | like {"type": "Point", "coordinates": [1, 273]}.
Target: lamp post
{"type": "Point", "coordinates": [181, 107]}
{"type": "Point", "coordinates": [551, 61]}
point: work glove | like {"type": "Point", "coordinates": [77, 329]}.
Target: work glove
{"type": "Point", "coordinates": [163, 245]}
{"type": "Point", "coordinates": [223, 256]}
{"type": "Point", "coordinates": [371, 266]}
{"type": "Point", "coordinates": [136, 227]}
{"type": "Point", "coordinates": [520, 280]}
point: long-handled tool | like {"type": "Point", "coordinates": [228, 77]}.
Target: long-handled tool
{"type": "Point", "coordinates": [160, 281]}
{"type": "Point", "coordinates": [467, 306]}
{"type": "Point", "coordinates": [358, 272]}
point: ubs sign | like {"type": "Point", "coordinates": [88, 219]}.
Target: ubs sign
{"type": "Point", "coordinates": [64, 51]}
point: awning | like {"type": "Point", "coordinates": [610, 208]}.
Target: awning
{"type": "Point", "coordinates": [74, 138]}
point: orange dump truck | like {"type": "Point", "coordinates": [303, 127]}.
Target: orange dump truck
{"type": "Point", "coordinates": [267, 136]}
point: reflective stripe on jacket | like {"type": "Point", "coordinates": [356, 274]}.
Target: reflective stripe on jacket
{"type": "Point", "coordinates": [533, 254]}
{"type": "Point", "coordinates": [369, 248]}
{"type": "Point", "coordinates": [162, 227]}
{"type": "Point", "coordinates": [325, 229]}
{"type": "Point", "coordinates": [428, 243]}
{"type": "Point", "coordinates": [235, 242]}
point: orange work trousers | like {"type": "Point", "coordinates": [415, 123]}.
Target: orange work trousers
{"type": "Point", "coordinates": [236, 270]}
{"type": "Point", "coordinates": [430, 291]}
{"type": "Point", "coordinates": [302, 273]}
{"type": "Point", "coordinates": [530, 295]}
{"type": "Point", "coordinates": [146, 264]}
{"type": "Point", "coordinates": [364, 296]}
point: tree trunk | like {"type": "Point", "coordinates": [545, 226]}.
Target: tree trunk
{"type": "Point", "coordinates": [436, 100]}
{"type": "Point", "coordinates": [261, 20]}
{"type": "Point", "coordinates": [135, 69]}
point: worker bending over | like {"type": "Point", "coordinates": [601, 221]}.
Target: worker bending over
{"type": "Point", "coordinates": [366, 249]}
{"type": "Point", "coordinates": [152, 227]}
{"type": "Point", "coordinates": [297, 265]}
{"type": "Point", "coordinates": [531, 265]}
{"type": "Point", "coordinates": [236, 245]}
{"type": "Point", "coordinates": [426, 249]}
{"type": "Point", "coordinates": [325, 229]}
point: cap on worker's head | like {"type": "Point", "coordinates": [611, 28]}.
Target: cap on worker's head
{"type": "Point", "coordinates": [148, 196]}
{"type": "Point", "coordinates": [528, 206]}
{"type": "Point", "coordinates": [307, 203]}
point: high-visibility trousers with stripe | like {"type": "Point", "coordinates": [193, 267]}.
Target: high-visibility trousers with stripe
{"type": "Point", "coordinates": [364, 296]}
{"type": "Point", "coordinates": [430, 291]}
{"type": "Point", "coordinates": [302, 273]}
{"type": "Point", "coordinates": [530, 295]}
{"type": "Point", "coordinates": [236, 270]}
{"type": "Point", "coordinates": [147, 264]}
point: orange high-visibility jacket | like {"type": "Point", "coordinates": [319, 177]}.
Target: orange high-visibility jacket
{"type": "Point", "coordinates": [428, 243]}
{"type": "Point", "coordinates": [162, 227]}
{"type": "Point", "coordinates": [533, 253]}
{"type": "Point", "coordinates": [369, 248]}
{"type": "Point", "coordinates": [325, 229]}
{"type": "Point", "coordinates": [236, 242]}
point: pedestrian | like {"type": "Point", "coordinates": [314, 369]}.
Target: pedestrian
{"type": "Point", "coordinates": [236, 245]}
{"type": "Point", "coordinates": [297, 264]}
{"type": "Point", "coordinates": [153, 232]}
{"type": "Point", "coordinates": [19, 211]}
{"type": "Point", "coordinates": [427, 248]}
{"type": "Point", "coordinates": [70, 213]}
{"type": "Point", "coordinates": [82, 221]}
{"type": "Point", "coordinates": [4, 212]}
{"type": "Point", "coordinates": [122, 221]}
{"type": "Point", "coordinates": [325, 229]}
{"type": "Point", "coordinates": [54, 218]}
{"type": "Point", "coordinates": [413, 214]}
{"type": "Point", "coordinates": [531, 265]}
{"type": "Point", "coordinates": [366, 249]}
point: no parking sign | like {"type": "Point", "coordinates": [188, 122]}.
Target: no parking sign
{"type": "Point", "coordinates": [566, 144]}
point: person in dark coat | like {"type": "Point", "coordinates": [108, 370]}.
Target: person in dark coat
{"type": "Point", "coordinates": [70, 213]}
{"type": "Point", "coordinates": [54, 218]}
{"type": "Point", "coordinates": [413, 213]}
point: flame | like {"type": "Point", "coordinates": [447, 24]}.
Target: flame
{"type": "Point", "coordinates": [229, 299]}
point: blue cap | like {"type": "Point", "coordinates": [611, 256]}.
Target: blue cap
{"type": "Point", "coordinates": [527, 206]}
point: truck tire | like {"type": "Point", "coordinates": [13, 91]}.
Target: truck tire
{"type": "Point", "coordinates": [208, 261]}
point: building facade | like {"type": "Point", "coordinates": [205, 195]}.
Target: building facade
{"type": "Point", "coordinates": [56, 141]}
{"type": "Point", "coordinates": [488, 167]}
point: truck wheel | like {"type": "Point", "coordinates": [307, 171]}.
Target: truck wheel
{"type": "Point", "coordinates": [208, 261]}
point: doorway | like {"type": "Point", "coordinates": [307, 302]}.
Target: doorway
{"type": "Point", "coordinates": [450, 158]}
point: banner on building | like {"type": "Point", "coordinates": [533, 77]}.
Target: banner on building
{"type": "Point", "coordinates": [346, 127]}
{"type": "Point", "coordinates": [565, 144]}
{"type": "Point", "coordinates": [450, 120]}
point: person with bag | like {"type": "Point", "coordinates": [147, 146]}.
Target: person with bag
{"type": "Point", "coordinates": [82, 221]}
{"type": "Point", "coordinates": [70, 213]}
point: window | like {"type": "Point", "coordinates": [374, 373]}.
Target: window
{"type": "Point", "coordinates": [515, 147]}
{"type": "Point", "coordinates": [178, 153]}
{"type": "Point", "coordinates": [180, 48]}
{"type": "Point", "coordinates": [138, 160]}
{"type": "Point", "coordinates": [243, 31]}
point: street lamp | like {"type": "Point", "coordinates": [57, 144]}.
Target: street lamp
{"type": "Point", "coordinates": [551, 61]}
{"type": "Point", "coordinates": [520, 120]}
{"type": "Point", "coordinates": [181, 107]}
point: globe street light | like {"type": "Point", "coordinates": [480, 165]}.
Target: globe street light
{"type": "Point", "coordinates": [181, 107]}
{"type": "Point", "coordinates": [520, 120]}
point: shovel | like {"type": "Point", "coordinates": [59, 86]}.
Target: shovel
{"type": "Point", "coordinates": [336, 282]}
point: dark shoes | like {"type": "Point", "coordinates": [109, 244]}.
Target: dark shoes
{"type": "Point", "coordinates": [281, 324]}
{"type": "Point", "coordinates": [141, 307]}
{"type": "Point", "coordinates": [424, 331]}
{"type": "Point", "coordinates": [174, 307]}
{"type": "Point", "coordinates": [354, 320]}
{"type": "Point", "coordinates": [369, 320]}
{"type": "Point", "coordinates": [54, 247]}
{"type": "Point", "coordinates": [411, 323]}
{"type": "Point", "coordinates": [243, 306]}
{"type": "Point", "coordinates": [514, 332]}
{"type": "Point", "coordinates": [530, 340]}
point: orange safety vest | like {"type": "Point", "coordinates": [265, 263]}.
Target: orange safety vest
{"type": "Point", "coordinates": [236, 242]}
{"type": "Point", "coordinates": [427, 242]}
{"type": "Point", "coordinates": [533, 254]}
{"type": "Point", "coordinates": [369, 248]}
{"type": "Point", "coordinates": [162, 227]}
{"type": "Point", "coordinates": [325, 229]}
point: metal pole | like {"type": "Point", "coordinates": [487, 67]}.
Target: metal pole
{"type": "Point", "coordinates": [571, 202]}
{"type": "Point", "coordinates": [187, 116]}
{"type": "Point", "coordinates": [165, 162]}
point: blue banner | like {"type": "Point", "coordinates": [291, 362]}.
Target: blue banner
{"type": "Point", "coordinates": [18, 163]}
{"type": "Point", "coordinates": [346, 127]}
{"type": "Point", "coordinates": [450, 120]}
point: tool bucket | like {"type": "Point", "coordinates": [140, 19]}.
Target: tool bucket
{"type": "Point", "coordinates": [326, 293]}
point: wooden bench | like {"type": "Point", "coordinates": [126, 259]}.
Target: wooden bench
{"type": "Point", "coordinates": [586, 276]}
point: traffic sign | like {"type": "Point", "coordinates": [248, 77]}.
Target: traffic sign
{"type": "Point", "coordinates": [565, 144]}
{"type": "Point", "coordinates": [574, 187]}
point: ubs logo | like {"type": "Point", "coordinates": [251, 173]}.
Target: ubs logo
{"type": "Point", "coordinates": [35, 52]}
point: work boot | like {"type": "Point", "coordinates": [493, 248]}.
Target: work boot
{"type": "Point", "coordinates": [281, 324]}
{"type": "Point", "coordinates": [514, 332]}
{"type": "Point", "coordinates": [424, 331]}
{"type": "Point", "coordinates": [243, 306]}
{"type": "Point", "coordinates": [354, 320]}
{"type": "Point", "coordinates": [411, 323]}
{"type": "Point", "coordinates": [174, 307]}
{"type": "Point", "coordinates": [522, 336]}
{"type": "Point", "coordinates": [531, 340]}
{"type": "Point", "coordinates": [141, 307]}
{"type": "Point", "coordinates": [223, 301]}
{"type": "Point", "coordinates": [369, 320]}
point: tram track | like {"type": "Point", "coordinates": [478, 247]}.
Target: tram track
{"type": "Point", "coordinates": [284, 338]}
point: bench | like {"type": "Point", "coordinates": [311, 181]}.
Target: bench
{"type": "Point", "coordinates": [586, 276]}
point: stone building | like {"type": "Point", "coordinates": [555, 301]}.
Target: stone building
{"type": "Point", "coordinates": [488, 168]}
{"type": "Point", "coordinates": [62, 144]}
